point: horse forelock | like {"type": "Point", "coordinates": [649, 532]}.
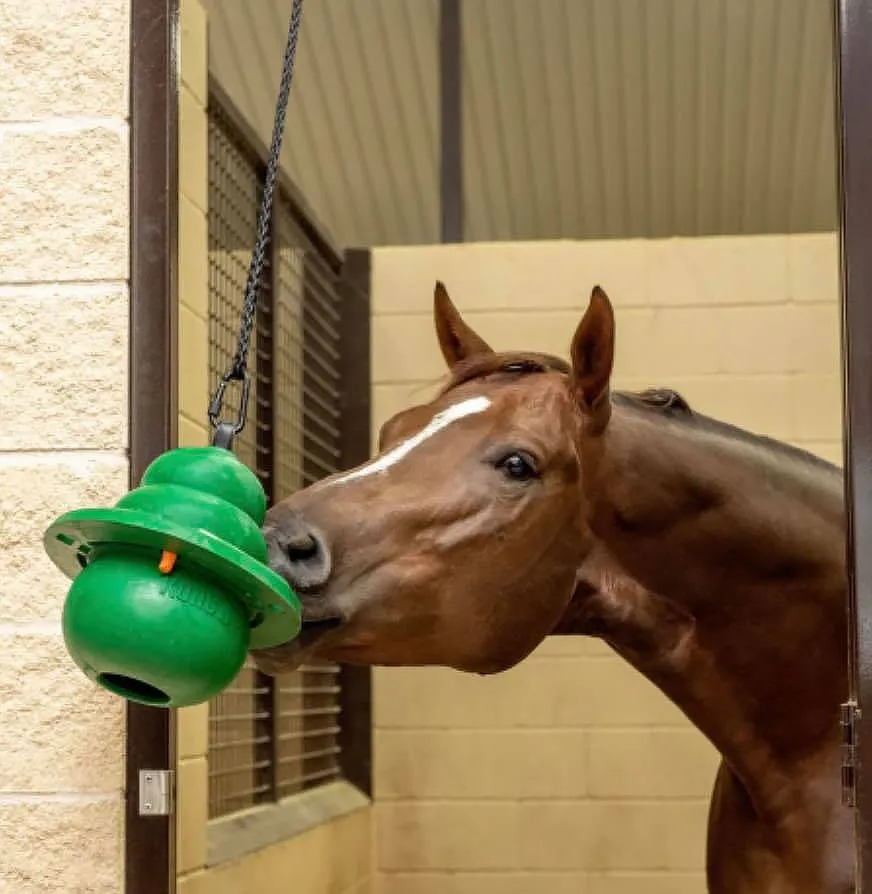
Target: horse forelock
{"type": "Point", "coordinates": [514, 363]}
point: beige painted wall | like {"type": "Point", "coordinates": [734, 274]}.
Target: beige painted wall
{"type": "Point", "coordinates": [63, 388]}
{"type": "Point", "coordinates": [571, 774]}
{"type": "Point", "coordinates": [192, 730]}
{"type": "Point", "coordinates": [331, 858]}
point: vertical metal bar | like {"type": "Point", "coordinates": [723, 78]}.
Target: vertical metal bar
{"type": "Point", "coordinates": [311, 470]}
{"type": "Point", "coordinates": [317, 387]}
{"type": "Point", "coordinates": [149, 862]}
{"type": "Point", "coordinates": [355, 695]}
{"type": "Point", "coordinates": [264, 372]}
{"type": "Point", "coordinates": [451, 121]}
{"type": "Point", "coordinates": [854, 77]}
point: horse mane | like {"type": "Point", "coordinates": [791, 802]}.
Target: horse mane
{"type": "Point", "coordinates": [669, 404]}
{"type": "Point", "coordinates": [665, 400]}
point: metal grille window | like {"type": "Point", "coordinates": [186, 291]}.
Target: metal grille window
{"type": "Point", "coordinates": [274, 738]}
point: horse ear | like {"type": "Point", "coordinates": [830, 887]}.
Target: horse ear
{"type": "Point", "coordinates": [593, 355]}
{"type": "Point", "coordinates": [456, 339]}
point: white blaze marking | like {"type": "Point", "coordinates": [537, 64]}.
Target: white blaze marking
{"type": "Point", "coordinates": [436, 424]}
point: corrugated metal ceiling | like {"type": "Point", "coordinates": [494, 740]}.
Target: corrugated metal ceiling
{"type": "Point", "coordinates": [582, 118]}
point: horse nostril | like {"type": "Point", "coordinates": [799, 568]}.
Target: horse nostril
{"type": "Point", "coordinates": [299, 552]}
{"type": "Point", "coordinates": [301, 548]}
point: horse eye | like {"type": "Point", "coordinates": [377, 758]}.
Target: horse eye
{"type": "Point", "coordinates": [517, 467]}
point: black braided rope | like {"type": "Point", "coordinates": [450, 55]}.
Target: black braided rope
{"type": "Point", "coordinates": [238, 371]}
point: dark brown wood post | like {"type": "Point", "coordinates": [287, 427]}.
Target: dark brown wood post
{"type": "Point", "coordinates": [355, 698]}
{"type": "Point", "coordinates": [149, 862]}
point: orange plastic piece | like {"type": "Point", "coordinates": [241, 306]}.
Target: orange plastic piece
{"type": "Point", "coordinates": [167, 562]}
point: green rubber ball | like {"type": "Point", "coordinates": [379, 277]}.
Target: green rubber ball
{"type": "Point", "coordinates": [167, 640]}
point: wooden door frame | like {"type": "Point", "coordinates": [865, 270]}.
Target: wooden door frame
{"type": "Point", "coordinates": [150, 864]}
{"type": "Point", "coordinates": [853, 51]}
{"type": "Point", "coordinates": [154, 91]}
{"type": "Point", "coordinates": [149, 842]}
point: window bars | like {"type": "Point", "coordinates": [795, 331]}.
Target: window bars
{"type": "Point", "coordinates": [270, 738]}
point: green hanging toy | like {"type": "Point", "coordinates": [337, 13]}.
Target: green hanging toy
{"type": "Point", "coordinates": [171, 587]}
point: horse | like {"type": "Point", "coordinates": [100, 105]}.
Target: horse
{"type": "Point", "coordinates": [529, 498]}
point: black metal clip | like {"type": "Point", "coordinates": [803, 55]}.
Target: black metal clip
{"type": "Point", "coordinates": [225, 432]}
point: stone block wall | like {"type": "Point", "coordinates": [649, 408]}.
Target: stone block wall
{"type": "Point", "coordinates": [64, 232]}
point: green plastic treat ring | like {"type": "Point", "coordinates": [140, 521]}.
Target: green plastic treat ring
{"type": "Point", "coordinates": [171, 587]}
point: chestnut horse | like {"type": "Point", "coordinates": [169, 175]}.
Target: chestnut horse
{"type": "Point", "coordinates": [529, 499]}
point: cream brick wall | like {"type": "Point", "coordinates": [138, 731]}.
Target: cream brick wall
{"type": "Point", "coordinates": [63, 378]}
{"type": "Point", "coordinates": [571, 773]}
{"type": "Point", "coordinates": [335, 857]}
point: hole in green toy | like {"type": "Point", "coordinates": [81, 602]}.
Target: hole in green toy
{"type": "Point", "coordinates": [256, 621]}
{"type": "Point", "coordinates": [65, 539]}
{"type": "Point", "coordinates": [128, 687]}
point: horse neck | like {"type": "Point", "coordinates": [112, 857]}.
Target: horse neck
{"type": "Point", "coordinates": [720, 574]}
